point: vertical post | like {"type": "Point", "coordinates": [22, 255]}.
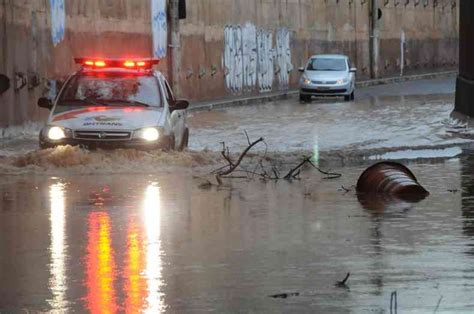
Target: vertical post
{"type": "Point", "coordinates": [402, 51]}
{"type": "Point", "coordinates": [175, 46]}
{"type": "Point", "coordinates": [465, 80]}
{"type": "Point", "coordinates": [374, 38]}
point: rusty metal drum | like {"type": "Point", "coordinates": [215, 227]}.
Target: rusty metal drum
{"type": "Point", "coordinates": [390, 178]}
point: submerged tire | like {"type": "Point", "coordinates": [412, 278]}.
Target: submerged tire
{"type": "Point", "coordinates": [184, 140]}
{"type": "Point", "coordinates": [305, 98]}
{"type": "Point", "coordinates": [347, 98]}
{"type": "Point", "coordinates": [171, 144]}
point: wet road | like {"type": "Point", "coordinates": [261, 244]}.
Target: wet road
{"type": "Point", "coordinates": [160, 242]}
{"type": "Point", "coordinates": [136, 232]}
{"type": "Point", "coordinates": [409, 115]}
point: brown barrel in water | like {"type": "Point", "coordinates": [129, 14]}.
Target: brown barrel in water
{"type": "Point", "coordinates": [390, 178]}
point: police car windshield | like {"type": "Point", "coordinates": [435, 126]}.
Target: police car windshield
{"type": "Point", "coordinates": [112, 90]}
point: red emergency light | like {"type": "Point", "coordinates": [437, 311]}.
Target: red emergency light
{"type": "Point", "coordinates": [117, 63]}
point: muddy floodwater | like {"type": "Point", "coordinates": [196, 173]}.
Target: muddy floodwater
{"type": "Point", "coordinates": [129, 231]}
{"type": "Point", "coordinates": [162, 243]}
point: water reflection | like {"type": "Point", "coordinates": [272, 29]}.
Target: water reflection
{"type": "Point", "coordinates": [141, 270]}
{"type": "Point", "coordinates": [467, 198]}
{"type": "Point", "coordinates": [379, 204]}
{"type": "Point", "coordinates": [135, 285]}
{"type": "Point", "coordinates": [152, 216]}
{"type": "Point", "coordinates": [101, 268]}
{"type": "Point", "coordinates": [57, 283]}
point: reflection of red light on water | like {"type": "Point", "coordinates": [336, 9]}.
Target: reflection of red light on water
{"type": "Point", "coordinates": [101, 296]}
{"type": "Point", "coordinates": [135, 285]}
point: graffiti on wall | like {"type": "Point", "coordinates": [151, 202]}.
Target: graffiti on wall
{"type": "Point", "coordinates": [159, 28]}
{"type": "Point", "coordinates": [251, 61]}
{"type": "Point", "coordinates": [265, 60]}
{"type": "Point", "coordinates": [283, 56]}
{"type": "Point", "coordinates": [58, 20]}
{"type": "Point", "coordinates": [249, 55]}
{"type": "Point", "coordinates": [233, 57]}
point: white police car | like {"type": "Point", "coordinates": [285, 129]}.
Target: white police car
{"type": "Point", "coordinates": [113, 103]}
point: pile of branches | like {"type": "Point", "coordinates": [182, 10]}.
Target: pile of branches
{"type": "Point", "coordinates": [261, 170]}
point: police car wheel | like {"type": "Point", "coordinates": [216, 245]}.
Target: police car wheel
{"type": "Point", "coordinates": [184, 140]}
{"type": "Point", "coordinates": [171, 145]}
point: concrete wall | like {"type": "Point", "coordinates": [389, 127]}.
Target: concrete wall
{"type": "Point", "coordinates": [92, 28]}
{"type": "Point", "coordinates": [427, 29]}
{"type": "Point", "coordinates": [228, 47]}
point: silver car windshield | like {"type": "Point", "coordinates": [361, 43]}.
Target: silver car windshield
{"type": "Point", "coordinates": [327, 64]}
{"type": "Point", "coordinates": [112, 90]}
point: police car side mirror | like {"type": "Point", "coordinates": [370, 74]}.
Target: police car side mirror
{"type": "Point", "coordinates": [4, 83]}
{"type": "Point", "coordinates": [353, 70]}
{"type": "Point", "coordinates": [44, 102]}
{"type": "Point", "coordinates": [301, 69]}
{"type": "Point", "coordinates": [180, 104]}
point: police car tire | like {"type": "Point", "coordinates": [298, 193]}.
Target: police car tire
{"type": "Point", "coordinates": [171, 143]}
{"type": "Point", "coordinates": [184, 140]}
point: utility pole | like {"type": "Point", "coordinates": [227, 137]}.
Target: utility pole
{"type": "Point", "coordinates": [374, 38]}
{"type": "Point", "coordinates": [175, 58]}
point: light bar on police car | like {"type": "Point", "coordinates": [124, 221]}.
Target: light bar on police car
{"type": "Point", "coordinates": [117, 63]}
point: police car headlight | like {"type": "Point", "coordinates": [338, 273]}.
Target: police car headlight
{"type": "Point", "coordinates": [148, 134]}
{"type": "Point", "coordinates": [56, 133]}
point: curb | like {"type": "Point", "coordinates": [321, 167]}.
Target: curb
{"type": "Point", "coordinates": [260, 99]}
{"type": "Point", "coordinates": [401, 79]}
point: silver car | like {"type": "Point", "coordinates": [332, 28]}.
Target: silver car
{"type": "Point", "coordinates": [327, 75]}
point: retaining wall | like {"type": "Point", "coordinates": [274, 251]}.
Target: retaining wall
{"type": "Point", "coordinates": [228, 47]}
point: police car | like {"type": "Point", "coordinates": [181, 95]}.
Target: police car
{"type": "Point", "coordinates": [115, 103]}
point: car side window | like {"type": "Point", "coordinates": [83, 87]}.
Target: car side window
{"type": "Point", "coordinates": [169, 92]}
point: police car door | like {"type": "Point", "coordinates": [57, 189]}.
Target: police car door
{"type": "Point", "coordinates": [177, 117]}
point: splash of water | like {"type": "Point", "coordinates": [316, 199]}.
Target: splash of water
{"type": "Point", "coordinates": [76, 160]}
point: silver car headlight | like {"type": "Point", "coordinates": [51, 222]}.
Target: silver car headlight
{"type": "Point", "coordinates": [343, 81]}
{"type": "Point", "coordinates": [57, 133]}
{"type": "Point", "coordinates": [305, 80]}
{"type": "Point", "coordinates": [148, 134]}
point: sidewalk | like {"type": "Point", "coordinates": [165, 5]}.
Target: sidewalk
{"type": "Point", "coordinates": [279, 95]}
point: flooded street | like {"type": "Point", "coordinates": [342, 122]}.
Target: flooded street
{"type": "Point", "coordinates": [403, 115]}
{"type": "Point", "coordinates": [159, 242]}
{"type": "Point", "coordinates": [128, 231]}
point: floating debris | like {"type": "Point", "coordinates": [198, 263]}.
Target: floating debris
{"type": "Point", "coordinates": [390, 178]}
{"type": "Point", "coordinates": [342, 283]}
{"type": "Point", "coordinates": [285, 295]}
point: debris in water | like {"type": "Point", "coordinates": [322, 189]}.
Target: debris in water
{"type": "Point", "coordinates": [342, 283]}
{"type": "Point", "coordinates": [390, 178]}
{"type": "Point", "coordinates": [394, 302]}
{"type": "Point", "coordinates": [285, 295]}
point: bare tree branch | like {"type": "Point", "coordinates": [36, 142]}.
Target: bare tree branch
{"type": "Point", "coordinates": [264, 172]}
{"type": "Point", "coordinates": [330, 175]}
{"type": "Point", "coordinates": [233, 166]}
